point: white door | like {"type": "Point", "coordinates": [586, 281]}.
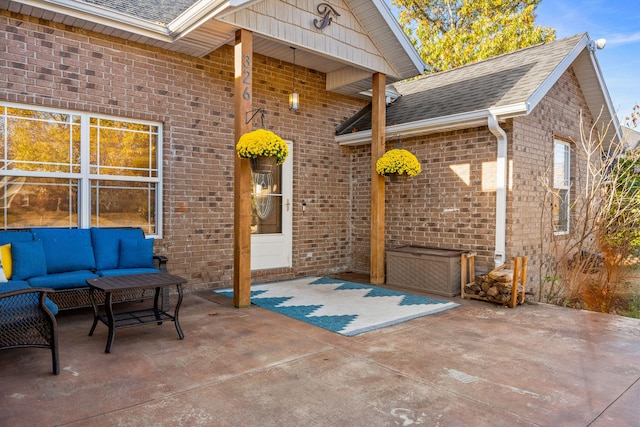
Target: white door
{"type": "Point", "coordinates": [271, 222]}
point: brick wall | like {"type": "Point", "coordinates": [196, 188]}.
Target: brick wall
{"type": "Point", "coordinates": [451, 204]}
{"type": "Point", "coordinates": [54, 65]}
{"type": "Point", "coordinates": [529, 224]}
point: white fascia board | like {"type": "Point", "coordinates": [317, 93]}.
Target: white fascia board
{"type": "Point", "coordinates": [439, 124]}
{"type": "Point", "coordinates": [402, 38]}
{"type": "Point", "coordinates": [555, 75]}
{"type": "Point", "coordinates": [607, 97]}
{"type": "Point", "coordinates": [189, 20]}
{"type": "Point", "coordinates": [355, 138]}
{"type": "Point", "coordinates": [199, 13]}
{"type": "Point", "coordinates": [509, 111]}
{"type": "Point", "coordinates": [235, 5]}
{"type": "Point", "coordinates": [108, 18]}
{"type": "Point", "coordinates": [457, 121]}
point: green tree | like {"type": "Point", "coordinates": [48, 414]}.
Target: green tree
{"type": "Point", "coordinates": [451, 33]}
{"type": "Point", "coordinates": [620, 221]}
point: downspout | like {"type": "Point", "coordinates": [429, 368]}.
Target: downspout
{"type": "Point", "coordinates": [500, 253]}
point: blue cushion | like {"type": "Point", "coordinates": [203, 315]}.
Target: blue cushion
{"type": "Point", "coordinates": [66, 249]}
{"type": "Point", "coordinates": [106, 244]}
{"type": "Point", "coordinates": [15, 236]}
{"type": "Point", "coordinates": [68, 280]}
{"type": "Point", "coordinates": [136, 253]}
{"type": "Point", "coordinates": [123, 271]}
{"type": "Point", "coordinates": [28, 260]}
{"type": "Point", "coordinates": [14, 285]}
{"type": "Point", "coordinates": [18, 285]}
{"type": "Point", "coordinates": [53, 308]}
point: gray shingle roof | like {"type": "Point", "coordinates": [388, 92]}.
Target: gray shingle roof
{"type": "Point", "coordinates": [501, 81]}
{"type": "Point", "coordinates": [156, 11]}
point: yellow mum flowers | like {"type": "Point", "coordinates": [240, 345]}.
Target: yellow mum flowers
{"type": "Point", "coordinates": [262, 142]}
{"type": "Point", "coordinates": [398, 161]}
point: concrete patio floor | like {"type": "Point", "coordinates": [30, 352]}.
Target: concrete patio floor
{"type": "Point", "coordinates": [475, 365]}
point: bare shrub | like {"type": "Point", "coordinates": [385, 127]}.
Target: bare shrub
{"type": "Point", "coordinates": [587, 267]}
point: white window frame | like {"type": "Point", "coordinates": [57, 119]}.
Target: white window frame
{"type": "Point", "coordinates": [85, 177]}
{"type": "Point", "coordinates": [562, 183]}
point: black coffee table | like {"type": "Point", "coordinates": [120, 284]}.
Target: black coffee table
{"type": "Point", "coordinates": [127, 319]}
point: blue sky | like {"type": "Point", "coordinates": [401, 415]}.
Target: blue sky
{"type": "Point", "coordinates": [617, 21]}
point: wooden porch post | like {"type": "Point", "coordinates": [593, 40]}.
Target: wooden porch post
{"type": "Point", "coordinates": [378, 123]}
{"type": "Point", "coordinates": [243, 72]}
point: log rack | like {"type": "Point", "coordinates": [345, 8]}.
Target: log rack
{"type": "Point", "coordinates": [518, 281]}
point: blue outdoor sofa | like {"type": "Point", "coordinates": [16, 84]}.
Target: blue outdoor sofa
{"type": "Point", "coordinates": [46, 270]}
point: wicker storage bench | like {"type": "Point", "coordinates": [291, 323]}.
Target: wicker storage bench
{"type": "Point", "coordinates": [432, 270]}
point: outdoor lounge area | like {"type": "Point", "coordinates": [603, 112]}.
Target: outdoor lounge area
{"type": "Point", "coordinates": [479, 364]}
{"type": "Point", "coordinates": [140, 114]}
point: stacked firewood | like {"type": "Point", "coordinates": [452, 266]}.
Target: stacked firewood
{"type": "Point", "coordinates": [501, 285]}
{"type": "Point", "coordinates": [494, 286]}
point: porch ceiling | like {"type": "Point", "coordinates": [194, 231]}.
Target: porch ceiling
{"type": "Point", "coordinates": [196, 30]}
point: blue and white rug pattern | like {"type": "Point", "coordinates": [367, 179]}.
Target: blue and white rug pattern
{"type": "Point", "coordinates": [344, 307]}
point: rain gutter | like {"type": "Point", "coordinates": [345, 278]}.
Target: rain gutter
{"type": "Point", "coordinates": [196, 15]}
{"type": "Point", "coordinates": [420, 127]}
{"type": "Point", "coordinates": [101, 16]}
{"type": "Point", "coordinates": [500, 246]}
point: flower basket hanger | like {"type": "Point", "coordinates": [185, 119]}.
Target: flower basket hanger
{"type": "Point", "coordinates": [264, 148]}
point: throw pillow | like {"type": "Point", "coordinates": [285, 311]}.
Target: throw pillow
{"type": "Point", "coordinates": [136, 253]}
{"type": "Point", "coordinates": [106, 244]}
{"type": "Point", "coordinates": [28, 260]}
{"type": "Point", "coordinates": [66, 249]}
{"type": "Point", "coordinates": [5, 260]}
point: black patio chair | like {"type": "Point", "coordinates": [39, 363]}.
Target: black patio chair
{"type": "Point", "coordinates": [26, 320]}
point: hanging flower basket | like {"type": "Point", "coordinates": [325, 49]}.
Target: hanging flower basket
{"type": "Point", "coordinates": [398, 165]}
{"type": "Point", "coordinates": [263, 164]}
{"type": "Point", "coordinates": [397, 177]}
{"type": "Point", "coordinates": [262, 143]}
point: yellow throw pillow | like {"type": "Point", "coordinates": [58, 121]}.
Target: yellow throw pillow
{"type": "Point", "coordinates": [5, 259]}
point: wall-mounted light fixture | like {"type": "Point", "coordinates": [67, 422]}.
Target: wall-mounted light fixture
{"type": "Point", "coordinates": [597, 44]}
{"type": "Point", "coordinates": [294, 98]}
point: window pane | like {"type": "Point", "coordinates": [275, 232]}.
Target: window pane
{"type": "Point", "coordinates": [561, 210]}
{"type": "Point", "coordinates": [41, 141]}
{"type": "Point", "coordinates": [124, 204]}
{"type": "Point", "coordinates": [39, 202]}
{"type": "Point", "coordinates": [123, 149]}
{"type": "Point", "coordinates": [561, 165]}
{"type": "Point", "coordinates": [48, 144]}
{"type": "Point", "coordinates": [266, 202]}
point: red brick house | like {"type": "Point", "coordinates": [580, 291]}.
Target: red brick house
{"type": "Point", "coordinates": [127, 113]}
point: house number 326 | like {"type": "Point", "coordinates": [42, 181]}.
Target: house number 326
{"type": "Point", "coordinates": [246, 63]}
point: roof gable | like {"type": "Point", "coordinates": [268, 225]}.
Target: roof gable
{"type": "Point", "coordinates": [344, 37]}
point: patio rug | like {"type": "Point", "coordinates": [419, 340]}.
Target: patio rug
{"type": "Point", "coordinates": [344, 307]}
